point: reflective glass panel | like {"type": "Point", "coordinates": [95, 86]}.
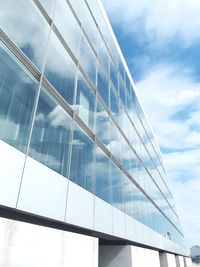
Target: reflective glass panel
{"type": "Point", "coordinates": [24, 24]}
{"type": "Point", "coordinates": [88, 60]}
{"type": "Point", "coordinates": [115, 141]}
{"type": "Point", "coordinates": [68, 26]}
{"type": "Point", "coordinates": [128, 195]}
{"type": "Point", "coordinates": [102, 182]}
{"type": "Point", "coordinates": [125, 154]}
{"type": "Point", "coordinates": [51, 135]}
{"type": "Point", "coordinates": [114, 75]}
{"type": "Point", "coordinates": [102, 125]}
{"type": "Point", "coordinates": [137, 203]}
{"type": "Point", "coordinates": [116, 188]}
{"type": "Point", "coordinates": [60, 69]}
{"type": "Point", "coordinates": [85, 103]}
{"type": "Point", "coordinates": [82, 160]}
{"type": "Point", "coordinates": [49, 6]}
{"type": "Point", "coordinates": [127, 81]}
{"type": "Point", "coordinates": [86, 19]}
{"type": "Point", "coordinates": [122, 91]}
{"type": "Point", "coordinates": [17, 94]}
{"type": "Point", "coordinates": [103, 54]}
{"type": "Point", "coordinates": [103, 86]}
{"type": "Point", "coordinates": [121, 68]}
{"type": "Point", "coordinates": [114, 104]}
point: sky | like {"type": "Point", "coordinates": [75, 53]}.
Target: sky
{"type": "Point", "coordinates": [160, 41]}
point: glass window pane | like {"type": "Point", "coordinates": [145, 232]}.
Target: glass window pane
{"type": "Point", "coordinates": [82, 162]}
{"type": "Point", "coordinates": [49, 6]}
{"type": "Point", "coordinates": [114, 75]}
{"type": "Point", "coordinates": [121, 68]}
{"type": "Point", "coordinates": [122, 92]}
{"type": "Point", "coordinates": [115, 141]}
{"type": "Point", "coordinates": [128, 86]}
{"type": "Point", "coordinates": [103, 54]}
{"type": "Point", "coordinates": [103, 86]}
{"type": "Point", "coordinates": [137, 199]}
{"type": "Point", "coordinates": [102, 125]}
{"type": "Point", "coordinates": [88, 60]}
{"type": "Point", "coordinates": [86, 19]}
{"type": "Point", "coordinates": [60, 69]}
{"type": "Point", "coordinates": [68, 26]}
{"type": "Point", "coordinates": [85, 103]}
{"type": "Point", "coordinates": [51, 135]}
{"type": "Point", "coordinates": [128, 195]}
{"type": "Point", "coordinates": [17, 94]}
{"type": "Point", "coordinates": [125, 154]}
{"type": "Point", "coordinates": [24, 24]}
{"type": "Point", "coordinates": [116, 188]}
{"type": "Point", "coordinates": [102, 182]}
{"type": "Point", "coordinates": [114, 104]}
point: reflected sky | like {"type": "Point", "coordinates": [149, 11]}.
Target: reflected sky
{"type": "Point", "coordinates": [32, 30]}
{"type": "Point", "coordinates": [50, 139]}
{"type": "Point", "coordinates": [52, 132]}
{"type": "Point", "coordinates": [60, 69]}
{"type": "Point", "coordinates": [17, 93]}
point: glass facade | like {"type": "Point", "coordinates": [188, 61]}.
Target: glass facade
{"type": "Point", "coordinates": [57, 63]}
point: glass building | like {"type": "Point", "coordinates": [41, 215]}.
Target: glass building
{"type": "Point", "coordinates": [76, 146]}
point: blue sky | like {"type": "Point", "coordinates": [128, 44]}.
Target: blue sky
{"type": "Point", "coordinates": [161, 44]}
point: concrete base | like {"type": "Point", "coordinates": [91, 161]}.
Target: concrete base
{"type": "Point", "coordinates": [24, 244]}
{"type": "Point", "coordinates": [171, 260]}
{"type": "Point", "coordinates": [132, 256]}
{"type": "Point", "coordinates": [129, 256]}
{"type": "Point", "coordinates": [188, 262]}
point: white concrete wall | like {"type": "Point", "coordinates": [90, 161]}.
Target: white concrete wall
{"type": "Point", "coordinates": [11, 167]}
{"type": "Point", "coordinates": [27, 245]}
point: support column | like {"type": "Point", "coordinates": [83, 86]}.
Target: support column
{"type": "Point", "coordinates": [115, 256]}
{"type": "Point", "coordinates": [163, 260]}
{"type": "Point", "coordinates": [178, 262]}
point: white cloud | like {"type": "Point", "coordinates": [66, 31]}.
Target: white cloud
{"type": "Point", "coordinates": [160, 21]}
{"type": "Point", "coordinates": [169, 93]}
{"type": "Point", "coordinates": [187, 198]}
{"type": "Point", "coordinates": [165, 92]}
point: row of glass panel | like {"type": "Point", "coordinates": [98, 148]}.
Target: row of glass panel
{"type": "Point", "coordinates": [113, 73]}
{"type": "Point", "coordinates": [60, 71]}
{"type": "Point", "coordinates": [88, 24]}
{"type": "Point", "coordinates": [66, 85]}
{"type": "Point", "coordinates": [53, 140]}
{"type": "Point", "coordinates": [33, 27]}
